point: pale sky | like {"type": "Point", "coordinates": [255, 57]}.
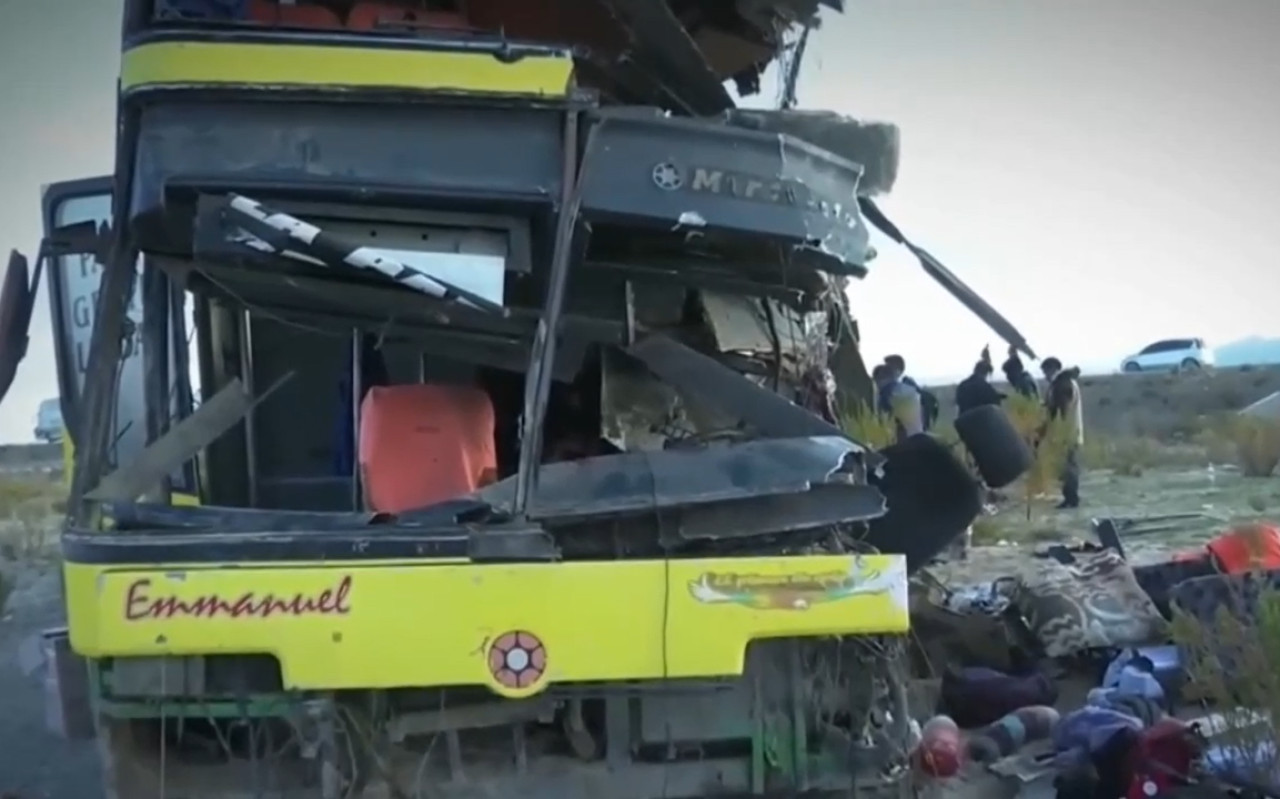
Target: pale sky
{"type": "Point", "coordinates": [1105, 173]}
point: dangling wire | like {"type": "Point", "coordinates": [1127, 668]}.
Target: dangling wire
{"type": "Point", "coordinates": [791, 71]}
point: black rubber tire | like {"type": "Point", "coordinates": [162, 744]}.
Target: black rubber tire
{"type": "Point", "coordinates": [1189, 365]}
{"type": "Point", "coordinates": [931, 499]}
{"type": "Point", "coordinates": [1000, 453]}
{"type": "Point", "coordinates": [1131, 367]}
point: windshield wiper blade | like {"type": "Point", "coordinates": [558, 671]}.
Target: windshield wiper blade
{"type": "Point", "coordinates": [954, 285]}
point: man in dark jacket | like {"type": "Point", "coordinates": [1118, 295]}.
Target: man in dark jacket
{"type": "Point", "coordinates": [1020, 380]}
{"type": "Point", "coordinates": [1062, 401]}
{"type": "Point", "coordinates": [976, 390]}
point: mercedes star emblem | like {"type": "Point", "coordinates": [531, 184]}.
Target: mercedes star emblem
{"type": "Point", "coordinates": [667, 177]}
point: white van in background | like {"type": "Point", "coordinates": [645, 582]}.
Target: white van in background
{"type": "Point", "coordinates": [49, 421]}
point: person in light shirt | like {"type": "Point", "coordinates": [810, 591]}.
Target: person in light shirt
{"type": "Point", "coordinates": [900, 401]}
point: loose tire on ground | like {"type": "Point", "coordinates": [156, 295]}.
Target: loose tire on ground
{"type": "Point", "coordinates": [998, 450]}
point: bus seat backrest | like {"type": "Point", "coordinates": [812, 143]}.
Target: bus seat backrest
{"type": "Point", "coordinates": [375, 16]}
{"type": "Point", "coordinates": [292, 15]}
{"type": "Point", "coordinates": [424, 444]}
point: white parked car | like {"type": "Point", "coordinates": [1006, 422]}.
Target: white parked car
{"type": "Point", "coordinates": [1172, 354]}
{"type": "Point", "coordinates": [49, 421]}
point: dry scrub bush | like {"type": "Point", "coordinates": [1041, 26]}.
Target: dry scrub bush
{"type": "Point", "coordinates": [1257, 445]}
{"type": "Point", "coordinates": [986, 531]}
{"type": "Point", "coordinates": [26, 492]}
{"type": "Point", "coordinates": [1049, 441]}
{"type": "Point", "coordinates": [868, 426]}
{"type": "Point", "coordinates": [29, 508]}
{"type": "Point", "coordinates": [1244, 690]}
{"type": "Point", "coordinates": [1125, 457]}
{"type": "Point", "coordinates": [1214, 439]}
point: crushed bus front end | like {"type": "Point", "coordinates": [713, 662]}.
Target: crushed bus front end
{"type": "Point", "coordinates": [463, 412]}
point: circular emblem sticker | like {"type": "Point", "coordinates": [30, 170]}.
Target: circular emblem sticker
{"type": "Point", "coordinates": [517, 659]}
{"type": "Point", "coordinates": [667, 177]}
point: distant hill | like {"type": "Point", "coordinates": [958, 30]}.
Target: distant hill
{"type": "Point", "coordinates": [1251, 351]}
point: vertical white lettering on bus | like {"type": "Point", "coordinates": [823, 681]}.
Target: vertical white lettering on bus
{"type": "Point", "coordinates": [81, 277]}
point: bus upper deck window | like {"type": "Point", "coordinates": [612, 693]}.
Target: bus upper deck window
{"type": "Point", "coordinates": [381, 16]}
{"type": "Point", "coordinates": [214, 10]}
{"type": "Point", "coordinates": [292, 14]}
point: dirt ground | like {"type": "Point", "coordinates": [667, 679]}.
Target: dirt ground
{"type": "Point", "coordinates": [1217, 497]}
{"type": "Point", "coordinates": [33, 761]}
{"type": "Point", "coordinates": [36, 763]}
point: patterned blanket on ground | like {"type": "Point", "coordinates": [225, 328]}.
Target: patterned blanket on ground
{"type": "Point", "coordinates": [1094, 602]}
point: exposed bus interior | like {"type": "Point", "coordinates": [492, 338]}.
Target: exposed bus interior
{"type": "Point", "coordinates": [681, 50]}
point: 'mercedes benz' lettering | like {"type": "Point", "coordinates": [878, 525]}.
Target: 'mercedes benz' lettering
{"type": "Point", "coordinates": [771, 191]}
{"type": "Point", "coordinates": [708, 180]}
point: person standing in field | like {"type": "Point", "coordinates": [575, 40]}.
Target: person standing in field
{"type": "Point", "coordinates": [976, 389]}
{"type": "Point", "coordinates": [899, 401]}
{"type": "Point", "coordinates": [928, 402]}
{"type": "Point", "coordinates": [1062, 402]}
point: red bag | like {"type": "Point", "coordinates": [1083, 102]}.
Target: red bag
{"type": "Point", "coordinates": [1163, 759]}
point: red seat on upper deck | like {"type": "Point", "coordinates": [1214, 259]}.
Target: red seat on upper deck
{"type": "Point", "coordinates": [381, 16]}
{"type": "Point", "coordinates": [292, 15]}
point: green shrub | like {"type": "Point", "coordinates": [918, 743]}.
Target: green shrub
{"type": "Point", "coordinates": [868, 426]}
{"type": "Point", "coordinates": [1246, 695]}
{"type": "Point", "coordinates": [1049, 441]}
{"type": "Point", "coordinates": [1257, 444]}
{"type": "Point", "coordinates": [1124, 456]}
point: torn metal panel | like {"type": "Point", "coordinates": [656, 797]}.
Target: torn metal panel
{"type": "Point", "coordinates": [640, 412]}
{"type": "Point", "coordinates": [637, 411]}
{"type": "Point", "coordinates": [267, 230]}
{"type": "Point", "coordinates": [647, 171]}
{"type": "Point", "coordinates": [635, 482]}
{"type": "Point", "coordinates": [665, 44]}
{"type": "Point", "coordinates": [787, 343]}
{"type": "Point", "coordinates": [658, 303]}
{"type": "Point", "coordinates": [751, 326]}
{"type": "Point", "coordinates": [844, 358]}
{"type": "Point", "coordinates": [820, 507]}
{"type": "Point", "coordinates": [507, 153]}
{"type": "Point", "coordinates": [703, 378]}
{"type": "Point", "coordinates": [876, 146]}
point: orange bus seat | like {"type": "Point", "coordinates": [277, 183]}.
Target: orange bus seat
{"type": "Point", "coordinates": [424, 444]}
{"type": "Point", "coordinates": [1247, 547]}
{"type": "Point", "coordinates": [382, 16]}
{"type": "Point", "coordinates": [292, 15]}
